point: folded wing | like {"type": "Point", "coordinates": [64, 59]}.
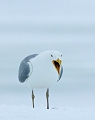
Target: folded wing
{"type": "Point", "coordinates": [25, 68]}
{"type": "Point", "coordinates": [61, 72]}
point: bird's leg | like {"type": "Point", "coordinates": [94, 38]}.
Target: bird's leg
{"type": "Point", "coordinates": [47, 97]}
{"type": "Point", "coordinates": [33, 98]}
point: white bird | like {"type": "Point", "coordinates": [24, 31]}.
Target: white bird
{"type": "Point", "coordinates": [41, 71]}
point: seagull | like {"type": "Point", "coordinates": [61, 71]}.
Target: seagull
{"type": "Point", "coordinates": [41, 71]}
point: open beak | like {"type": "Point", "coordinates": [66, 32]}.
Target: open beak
{"type": "Point", "coordinates": [57, 64]}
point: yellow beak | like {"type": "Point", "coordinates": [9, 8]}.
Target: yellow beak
{"type": "Point", "coordinates": [57, 64]}
{"type": "Point", "coordinates": [59, 61]}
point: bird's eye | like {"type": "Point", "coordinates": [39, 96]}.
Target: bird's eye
{"type": "Point", "coordinates": [51, 55]}
{"type": "Point", "coordinates": [61, 55]}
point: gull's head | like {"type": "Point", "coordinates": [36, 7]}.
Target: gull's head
{"type": "Point", "coordinates": [50, 59]}
{"type": "Point", "coordinates": [55, 57]}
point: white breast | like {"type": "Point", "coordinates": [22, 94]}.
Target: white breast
{"type": "Point", "coordinates": [43, 76]}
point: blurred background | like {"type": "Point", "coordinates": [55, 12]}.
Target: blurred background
{"type": "Point", "coordinates": [28, 27]}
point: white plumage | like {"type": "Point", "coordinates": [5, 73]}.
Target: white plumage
{"type": "Point", "coordinates": [41, 71]}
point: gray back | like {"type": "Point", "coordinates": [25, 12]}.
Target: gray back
{"type": "Point", "coordinates": [24, 68]}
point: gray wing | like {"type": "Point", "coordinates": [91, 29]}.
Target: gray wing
{"type": "Point", "coordinates": [61, 72]}
{"type": "Point", "coordinates": [24, 69]}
